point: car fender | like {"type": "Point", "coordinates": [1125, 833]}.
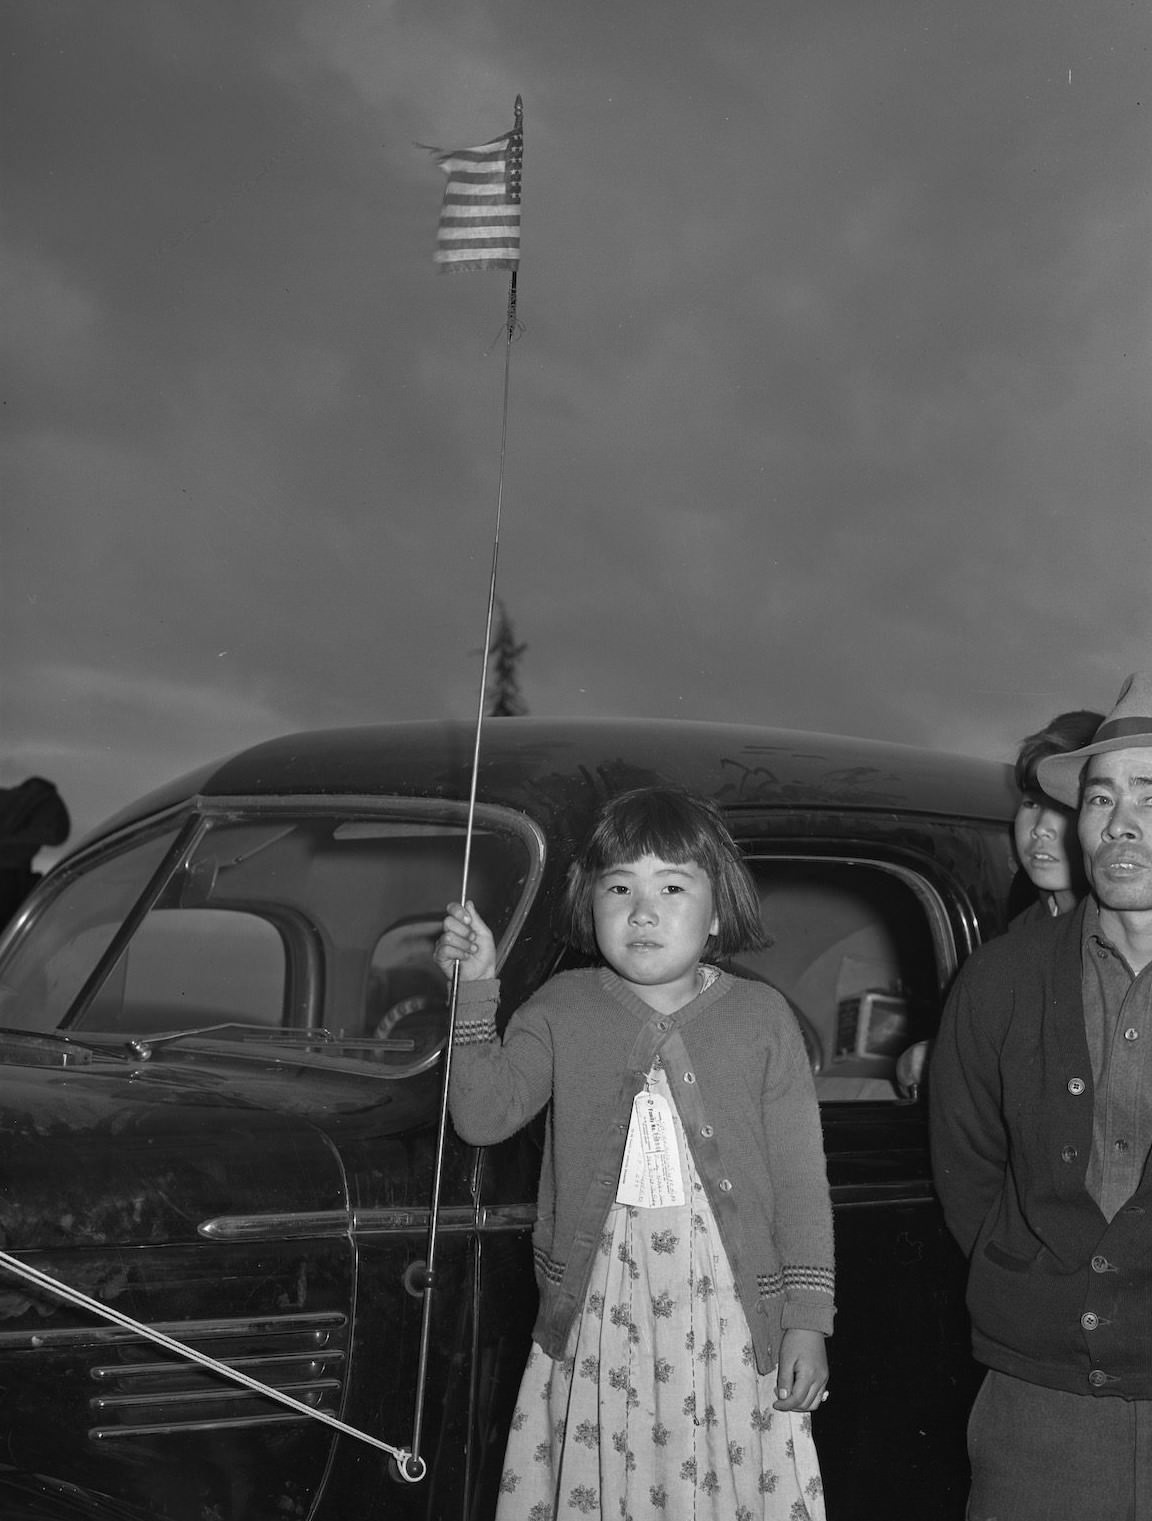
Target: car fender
{"type": "Point", "coordinates": [39, 1497]}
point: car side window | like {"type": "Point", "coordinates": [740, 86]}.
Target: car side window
{"type": "Point", "coordinates": [188, 968]}
{"type": "Point", "coordinates": [406, 1000]}
{"type": "Point", "coordinates": [283, 922]}
{"type": "Point", "coordinates": [852, 947]}
{"type": "Point", "coordinates": [61, 949]}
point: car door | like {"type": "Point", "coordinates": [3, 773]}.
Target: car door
{"type": "Point", "coordinates": [868, 919]}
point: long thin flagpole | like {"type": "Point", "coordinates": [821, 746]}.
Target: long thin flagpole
{"type": "Point", "coordinates": [412, 1466]}
{"type": "Point", "coordinates": [509, 334]}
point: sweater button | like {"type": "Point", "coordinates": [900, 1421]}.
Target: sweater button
{"type": "Point", "coordinates": [689, 1077]}
{"type": "Point", "coordinates": [707, 1132]}
{"type": "Point", "coordinates": [663, 1024]}
{"type": "Point", "coordinates": [1076, 1086]}
{"type": "Point", "coordinates": [1089, 1321]}
{"type": "Point", "coordinates": [1097, 1378]}
{"type": "Point", "coordinates": [1100, 1264]}
{"type": "Point", "coordinates": [1132, 1034]}
{"type": "Point", "coordinates": [725, 1186]}
{"type": "Point", "coordinates": [1069, 1154]}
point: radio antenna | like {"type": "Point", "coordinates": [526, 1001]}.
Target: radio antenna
{"type": "Point", "coordinates": [479, 229]}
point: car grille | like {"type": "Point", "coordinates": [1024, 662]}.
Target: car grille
{"type": "Point", "coordinates": [140, 1394]}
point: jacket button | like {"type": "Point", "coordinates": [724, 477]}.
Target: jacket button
{"type": "Point", "coordinates": [1089, 1321]}
{"type": "Point", "coordinates": [689, 1077]}
{"type": "Point", "coordinates": [1100, 1264]}
{"type": "Point", "coordinates": [1132, 1034]}
{"type": "Point", "coordinates": [725, 1186]}
{"type": "Point", "coordinates": [1069, 1154]}
{"type": "Point", "coordinates": [1076, 1086]}
{"type": "Point", "coordinates": [1097, 1378]}
{"type": "Point", "coordinates": [707, 1132]}
{"type": "Point", "coordinates": [663, 1024]}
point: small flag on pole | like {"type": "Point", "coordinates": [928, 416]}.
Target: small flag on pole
{"type": "Point", "coordinates": [480, 217]}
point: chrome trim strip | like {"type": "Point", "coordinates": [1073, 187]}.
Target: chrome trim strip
{"type": "Point", "coordinates": [317, 1362]}
{"type": "Point", "coordinates": [855, 1195]}
{"type": "Point", "coordinates": [318, 1324]}
{"type": "Point", "coordinates": [454, 1219]}
{"type": "Point", "coordinates": [102, 1403]}
{"type": "Point", "coordinates": [330, 1223]}
{"type": "Point", "coordinates": [507, 1217]}
{"type": "Point", "coordinates": [323, 1223]}
{"type": "Point", "coordinates": [182, 1428]}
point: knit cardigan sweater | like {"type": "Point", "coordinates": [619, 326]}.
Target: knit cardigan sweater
{"type": "Point", "coordinates": [1058, 1295]}
{"type": "Point", "coordinates": [739, 1076]}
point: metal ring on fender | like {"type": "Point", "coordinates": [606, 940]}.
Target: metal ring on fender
{"type": "Point", "coordinates": [412, 1469]}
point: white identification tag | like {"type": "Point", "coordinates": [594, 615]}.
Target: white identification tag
{"type": "Point", "coordinates": [650, 1177]}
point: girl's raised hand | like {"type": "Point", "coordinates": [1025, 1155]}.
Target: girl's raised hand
{"type": "Point", "coordinates": [468, 940]}
{"type": "Point", "coordinates": [802, 1376]}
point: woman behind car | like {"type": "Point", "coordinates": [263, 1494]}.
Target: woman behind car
{"type": "Point", "coordinates": [1051, 876]}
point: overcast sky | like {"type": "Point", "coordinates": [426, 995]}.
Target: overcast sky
{"type": "Point", "coordinates": [831, 407]}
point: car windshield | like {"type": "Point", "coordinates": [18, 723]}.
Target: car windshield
{"type": "Point", "coordinates": [284, 923]}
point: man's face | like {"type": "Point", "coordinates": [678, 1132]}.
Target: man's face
{"type": "Point", "coordinates": [1115, 828]}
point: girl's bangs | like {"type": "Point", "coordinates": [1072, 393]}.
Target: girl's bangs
{"type": "Point", "coordinates": [673, 839]}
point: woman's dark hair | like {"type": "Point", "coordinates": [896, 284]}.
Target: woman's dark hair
{"type": "Point", "coordinates": [1065, 732]}
{"type": "Point", "coordinates": [677, 827]}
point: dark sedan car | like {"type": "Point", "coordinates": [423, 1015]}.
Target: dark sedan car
{"type": "Point", "coordinates": [222, 1036]}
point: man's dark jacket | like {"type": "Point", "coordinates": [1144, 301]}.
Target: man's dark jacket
{"type": "Point", "coordinates": [1058, 1295]}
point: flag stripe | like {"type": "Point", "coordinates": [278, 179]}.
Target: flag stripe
{"type": "Point", "coordinates": [498, 257]}
{"type": "Point", "coordinates": [462, 247]}
{"type": "Point", "coordinates": [468, 210]}
{"type": "Point", "coordinates": [462, 227]}
{"type": "Point", "coordinates": [480, 184]}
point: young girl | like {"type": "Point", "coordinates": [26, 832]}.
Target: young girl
{"type": "Point", "coordinates": [684, 1237]}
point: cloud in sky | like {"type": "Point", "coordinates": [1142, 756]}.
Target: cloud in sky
{"type": "Point", "coordinates": [830, 408]}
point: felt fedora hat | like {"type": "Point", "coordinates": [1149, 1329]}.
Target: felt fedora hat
{"type": "Point", "coordinates": [1127, 727]}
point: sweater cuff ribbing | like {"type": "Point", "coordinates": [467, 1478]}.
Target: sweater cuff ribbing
{"type": "Point", "coordinates": [476, 1005]}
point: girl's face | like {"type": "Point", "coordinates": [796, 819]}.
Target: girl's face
{"type": "Point", "coordinates": [652, 920]}
{"type": "Point", "coordinates": [1040, 833]}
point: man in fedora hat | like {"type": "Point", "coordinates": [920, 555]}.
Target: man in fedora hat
{"type": "Point", "coordinates": [1040, 1088]}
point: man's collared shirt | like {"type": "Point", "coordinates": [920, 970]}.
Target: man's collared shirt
{"type": "Point", "coordinates": [1118, 1024]}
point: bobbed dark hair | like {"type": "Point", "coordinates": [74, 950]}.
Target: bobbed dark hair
{"type": "Point", "coordinates": [1065, 732]}
{"type": "Point", "coordinates": [678, 827]}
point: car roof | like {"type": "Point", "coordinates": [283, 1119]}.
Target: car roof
{"type": "Point", "coordinates": [536, 764]}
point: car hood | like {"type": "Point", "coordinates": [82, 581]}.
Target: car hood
{"type": "Point", "coordinates": [112, 1150]}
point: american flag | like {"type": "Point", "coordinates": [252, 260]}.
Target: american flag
{"type": "Point", "coordinates": [480, 217]}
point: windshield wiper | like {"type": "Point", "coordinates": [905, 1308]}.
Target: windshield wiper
{"type": "Point", "coordinates": [142, 1046]}
{"type": "Point", "coordinates": [45, 1050]}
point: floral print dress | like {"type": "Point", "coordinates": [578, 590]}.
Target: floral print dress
{"type": "Point", "coordinates": [658, 1413]}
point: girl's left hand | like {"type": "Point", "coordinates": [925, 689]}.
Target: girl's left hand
{"type": "Point", "coordinates": [802, 1376]}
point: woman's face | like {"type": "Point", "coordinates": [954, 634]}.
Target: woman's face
{"type": "Point", "coordinates": [1044, 833]}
